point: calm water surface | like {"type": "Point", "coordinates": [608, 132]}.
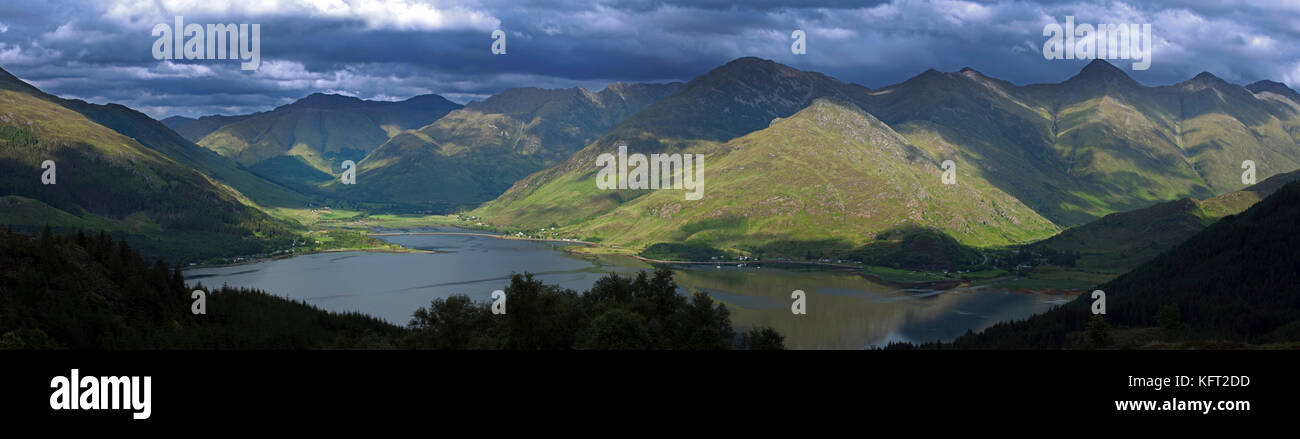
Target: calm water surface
{"type": "Point", "coordinates": [845, 311]}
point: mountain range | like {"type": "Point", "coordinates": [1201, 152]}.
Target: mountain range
{"type": "Point", "coordinates": [1031, 160]}
{"type": "Point", "coordinates": [474, 154]}
{"type": "Point", "coordinates": [302, 144]}
{"type": "Point", "coordinates": [796, 161]}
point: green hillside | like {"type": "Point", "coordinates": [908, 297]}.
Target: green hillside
{"type": "Point", "coordinates": [110, 181]}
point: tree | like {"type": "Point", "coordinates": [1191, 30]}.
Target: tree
{"type": "Point", "coordinates": [451, 323]}
{"type": "Point", "coordinates": [618, 329]}
{"type": "Point", "coordinates": [762, 339]}
{"type": "Point", "coordinates": [1098, 331]}
{"type": "Point", "coordinates": [1169, 321]}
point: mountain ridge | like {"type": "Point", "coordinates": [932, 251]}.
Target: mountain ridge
{"type": "Point", "coordinates": [1073, 151]}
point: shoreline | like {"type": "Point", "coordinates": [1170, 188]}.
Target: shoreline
{"type": "Point", "coordinates": [314, 252]}
{"type": "Point", "coordinates": [943, 284]}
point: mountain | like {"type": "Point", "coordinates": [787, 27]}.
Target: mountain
{"type": "Point", "coordinates": [1098, 142]}
{"type": "Point", "coordinates": [1276, 88]}
{"type": "Point", "coordinates": [1071, 152]}
{"type": "Point", "coordinates": [1121, 241]}
{"type": "Point", "coordinates": [1234, 282]}
{"type": "Point", "coordinates": [831, 175]}
{"type": "Point", "coordinates": [737, 98]}
{"type": "Point", "coordinates": [474, 154]}
{"type": "Point", "coordinates": [195, 129]}
{"type": "Point", "coordinates": [302, 144]}
{"type": "Point", "coordinates": [109, 181]}
{"type": "Point", "coordinates": [828, 179]}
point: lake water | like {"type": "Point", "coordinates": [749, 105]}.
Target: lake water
{"type": "Point", "coordinates": [844, 310]}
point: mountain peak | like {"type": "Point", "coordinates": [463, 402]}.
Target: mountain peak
{"type": "Point", "coordinates": [750, 61]}
{"type": "Point", "coordinates": [750, 67]}
{"type": "Point", "coordinates": [1102, 72]}
{"type": "Point", "coordinates": [331, 97]}
{"type": "Point", "coordinates": [1101, 68]}
{"type": "Point", "coordinates": [1206, 77]}
{"type": "Point", "coordinates": [1203, 81]}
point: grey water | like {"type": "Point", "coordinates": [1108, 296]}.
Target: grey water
{"type": "Point", "coordinates": [844, 310]}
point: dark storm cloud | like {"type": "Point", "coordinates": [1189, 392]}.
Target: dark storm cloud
{"type": "Point", "coordinates": [101, 50]}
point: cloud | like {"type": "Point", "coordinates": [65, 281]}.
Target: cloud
{"type": "Point", "coordinates": [401, 15]}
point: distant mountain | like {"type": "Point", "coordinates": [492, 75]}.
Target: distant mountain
{"type": "Point", "coordinates": [106, 180]}
{"type": "Point", "coordinates": [1234, 282]}
{"type": "Point", "coordinates": [475, 153]}
{"type": "Point", "coordinates": [195, 129]}
{"type": "Point", "coordinates": [302, 144]}
{"type": "Point", "coordinates": [1071, 152]}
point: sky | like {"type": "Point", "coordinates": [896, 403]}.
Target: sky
{"type": "Point", "coordinates": [102, 50]}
